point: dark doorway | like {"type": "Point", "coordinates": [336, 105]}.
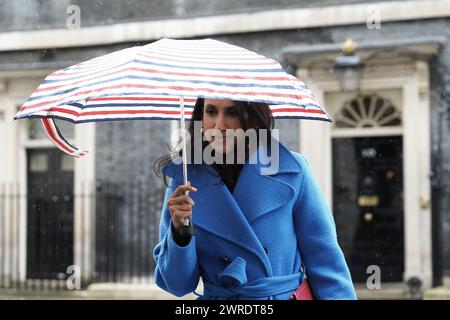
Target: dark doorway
{"type": "Point", "coordinates": [368, 204]}
{"type": "Point", "coordinates": [50, 213]}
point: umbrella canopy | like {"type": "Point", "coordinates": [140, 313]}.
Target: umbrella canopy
{"type": "Point", "coordinates": [147, 82]}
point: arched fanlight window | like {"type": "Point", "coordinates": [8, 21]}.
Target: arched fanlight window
{"type": "Point", "coordinates": [368, 111]}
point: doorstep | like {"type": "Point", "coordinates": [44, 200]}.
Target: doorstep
{"type": "Point", "coordinates": [437, 293]}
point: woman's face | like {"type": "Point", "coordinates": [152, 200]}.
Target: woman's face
{"type": "Point", "coordinates": [220, 115]}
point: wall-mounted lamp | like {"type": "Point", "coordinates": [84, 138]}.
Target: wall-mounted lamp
{"type": "Point", "coordinates": [349, 67]}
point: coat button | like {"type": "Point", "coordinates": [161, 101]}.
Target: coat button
{"type": "Point", "coordinates": [224, 259]}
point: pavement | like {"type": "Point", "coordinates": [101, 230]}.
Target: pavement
{"type": "Point", "coordinates": [98, 291]}
{"type": "Point", "coordinates": [120, 291]}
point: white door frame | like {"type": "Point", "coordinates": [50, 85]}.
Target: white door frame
{"type": "Point", "coordinates": [413, 81]}
{"type": "Point", "coordinates": [16, 166]}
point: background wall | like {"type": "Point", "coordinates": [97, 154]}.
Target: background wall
{"type": "Point", "coordinates": [141, 142]}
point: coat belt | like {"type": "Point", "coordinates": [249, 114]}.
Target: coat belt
{"type": "Point", "coordinates": [260, 288]}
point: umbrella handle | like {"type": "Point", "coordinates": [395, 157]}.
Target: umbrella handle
{"type": "Point", "coordinates": [187, 228]}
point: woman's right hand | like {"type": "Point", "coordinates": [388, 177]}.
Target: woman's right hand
{"type": "Point", "coordinates": [180, 205]}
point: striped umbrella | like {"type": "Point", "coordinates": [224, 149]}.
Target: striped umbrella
{"type": "Point", "coordinates": [148, 82]}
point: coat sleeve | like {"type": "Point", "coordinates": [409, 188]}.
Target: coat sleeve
{"type": "Point", "coordinates": [323, 259]}
{"type": "Point", "coordinates": [176, 268]}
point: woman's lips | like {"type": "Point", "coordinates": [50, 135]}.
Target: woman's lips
{"type": "Point", "coordinates": [223, 137]}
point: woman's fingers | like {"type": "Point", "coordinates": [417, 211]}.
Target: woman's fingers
{"type": "Point", "coordinates": [181, 200]}
{"type": "Point", "coordinates": [181, 189]}
{"type": "Point", "coordinates": [180, 205]}
{"type": "Point", "coordinates": [180, 210]}
{"type": "Point", "coordinates": [184, 207]}
{"type": "Point", "coordinates": [179, 216]}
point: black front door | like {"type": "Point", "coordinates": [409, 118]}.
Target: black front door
{"type": "Point", "coordinates": [50, 213]}
{"type": "Point", "coordinates": [368, 204]}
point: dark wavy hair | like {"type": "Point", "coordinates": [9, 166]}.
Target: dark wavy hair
{"type": "Point", "coordinates": [252, 115]}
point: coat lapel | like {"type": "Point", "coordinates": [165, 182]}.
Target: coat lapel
{"type": "Point", "coordinates": [217, 212]}
{"type": "Point", "coordinates": [257, 193]}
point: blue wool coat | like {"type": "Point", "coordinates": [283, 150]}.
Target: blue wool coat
{"type": "Point", "coordinates": [256, 242]}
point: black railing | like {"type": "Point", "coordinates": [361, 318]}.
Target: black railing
{"type": "Point", "coordinates": [57, 240]}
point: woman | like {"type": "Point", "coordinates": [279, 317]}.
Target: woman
{"type": "Point", "coordinates": [256, 234]}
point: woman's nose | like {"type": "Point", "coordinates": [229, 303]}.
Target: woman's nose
{"type": "Point", "coordinates": [220, 122]}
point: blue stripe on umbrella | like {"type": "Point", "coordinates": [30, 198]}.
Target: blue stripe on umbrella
{"type": "Point", "coordinates": [84, 75]}
{"type": "Point", "coordinates": [163, 65]}
{"type": "Point", "coordinates": [209, 69]}
{"type": "Point", "coordinates": [155, 118]}
{"type": "Point", "coordinates": [223, 84]}
{"type": "Point", "coordinates": [256, 58]}
{"type": "Point", "coordinates": [98, 120]}
{"type": "Point", "coordinates": [96, 105]}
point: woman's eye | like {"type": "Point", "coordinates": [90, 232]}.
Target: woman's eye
{"type": "Point", "coordinates": [233, 113]}
{"type": "Point", "coordinates": [210, 111]}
